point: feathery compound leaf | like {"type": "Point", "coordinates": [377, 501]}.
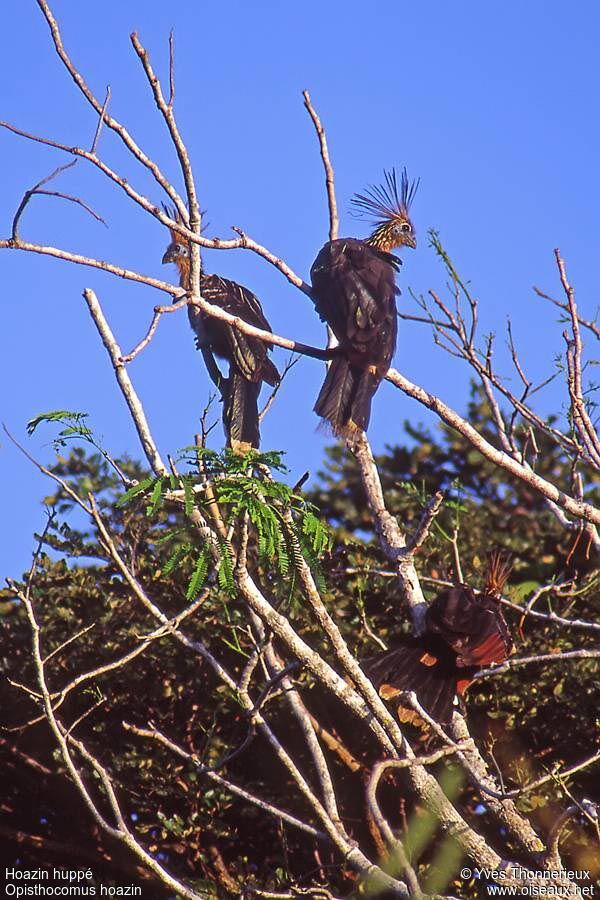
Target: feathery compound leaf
{"type": "Point", "coordinates": [139, 488]}
{"type": "Point", "coordinates": [225, 574]}
{"type": "Point", "coordinates": [188, 490]}
{"type": "Point", "coordinates": [156, 497]}
{"type": "Point", "coordinates": [287, 529]}
{"type": "Point", "coordinates": [57, 415]}
{"type": "Point", "coordinates": [309, 556]}
{"type": "Point", "coordinates": [199, 577]}
{"type": "Point", "coordinates": [283, 556]}
{"type": "Point", "coordinates": [74, 427]}
{"type": "Point", "coordinates": [177, 558]}
{"type": "Point", "coordinates": [316, 531]}
{"type": "Point", "coordinates": [168, 537]}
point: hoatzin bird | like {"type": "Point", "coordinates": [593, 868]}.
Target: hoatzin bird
{"type": "Point", "coordinates": [463, 633]}
{"type": "Point", "coordinates": [354, 291]}
{"type": "Point", "coordinates": [248, 357]}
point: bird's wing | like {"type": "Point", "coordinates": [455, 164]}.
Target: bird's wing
{"type": "Point", "coordinates": [490, 642]}
{"type": "Point", "coordinates": [249, 354]}
{"type": "Point", "coordinates": [473, 627]}
{"type": "Point", "coordinates": [354, 289]}
{"type": "Point", "coordinates": [414, 667]}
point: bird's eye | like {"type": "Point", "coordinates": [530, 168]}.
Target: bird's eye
{"type": "Point", "coordinates": [402, 228]}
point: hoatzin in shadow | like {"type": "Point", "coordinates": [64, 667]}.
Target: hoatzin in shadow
{"type": "Point", "coordinates": [248, 357]}
{"type": "Point", "coordinates": [354, 291]}
{"type": "Point", "coordinates": [463, 634]}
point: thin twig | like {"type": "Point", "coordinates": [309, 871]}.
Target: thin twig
{"type": "Point", "coordinates": [590, 325]}
{"type": "Point", "coordinates": [111, 122]}
{"type": "Point", "coordinates": [159, 311]}
{"type": "Point", "coordinates": [101, 118]}
{"type": "Point", "coordinates": [37, 189]}
{"type": "Point", "coordinates": [243, 241]}
{"type": "Point", "coordinates": [329, 177]}
{"type": "Point", "coordinates": [427, 519]}
{"type": "Point", "coordinates": [171, 69]}
{"type": "Point", "coordinates": [291, 362]}
{"type": "Point", "coordinates": [517, 662]}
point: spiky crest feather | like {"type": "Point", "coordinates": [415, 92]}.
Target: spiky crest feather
{"type": "Point", "coordinates": [383, 202]}
{"type": "Point", "coordinates": [173, 213]}
{"type": "Point", "coordinates": [500, 565]}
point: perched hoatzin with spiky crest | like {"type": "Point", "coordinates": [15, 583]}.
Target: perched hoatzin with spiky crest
{"type": "Point", "coordinates": [248, 357]}
{"type": "Point", "coordinates": [354, 291]}
{"type": "Point", "coordinates": [463, 633]}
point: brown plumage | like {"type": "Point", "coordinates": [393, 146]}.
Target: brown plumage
{"type": "Point", "coordinates": [354, 291]}
{"type": "Point", "coordinates": [463, 634]}
{"type": "Point", "coordinates": [248, 357]}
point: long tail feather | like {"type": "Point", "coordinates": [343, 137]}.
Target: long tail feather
{"type": "Point", "coordinates": [345, 398]}
{"type": "Point", "coordinates": [240, 412]}
{"type": "Point", "coordinates": [411, 668]}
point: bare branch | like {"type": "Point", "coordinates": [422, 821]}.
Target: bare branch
{"type": "Point", "coordinates": [171, 69]}
{"type": "Point", "coordinates": [583, 423]}
{"type": "Point", "coordinates": [304, 721]}
{"type": "Point", "coordinates": [590, 812]}
{"type": "Point", "coordinates": [291, 362]}
{"type": "Point", "coordinates": [518, 661]}
{"type": "Point", "coordinates": [38, 189]}
{"type": "Point", "coordinates": [329, 177]}
{"type": "Point", "coordinates": [79, 260]}
{"type": "Point", "coordinates": [427, 519]}
{"type": "Point", "coordinates": [590, 325]}
{"type": "Point", "coordinates": [159, 311]}
{"type": "Point", "coordinates": [166, 109]}
{"type": "Point", "coordinates": [131, 398]}
{"type": "Point", "coordinates": [120, 832]}
{"type": "Point", "coordinates": [65, 644]}
{"type": "Point", "coordinates": [575, 507]}
{"type": "Point", "coordinates": [111, 123]}
{"type": "Point", "coordinates": [101, 119]}
{"type": "Point", "coordinates": [392, 540]}
{"type": "Point", "coordinates": [155, 735]}
{"type": "Point", "coordinates": [242, 242]}
{"type": "Point", "coordinates": [553, 618]}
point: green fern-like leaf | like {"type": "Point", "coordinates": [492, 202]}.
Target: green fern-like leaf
{"type": "Point", "coordinates": [199, 576]}
{"type": "Point", "coordinates": [177, 557]}
{"type": "Point", "coordinates": [140, 488]}
{"type": "Point", "coordinates": [225, 573]}
{"type": "Point", "coordinates": [156, 497]}
{"type": "Point", "coordinates": [61, 416]}
{"type": "Point", "coordinates": [188, 490]}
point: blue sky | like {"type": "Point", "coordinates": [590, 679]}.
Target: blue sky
{"type": "Point", "coordinates": [493, 105]}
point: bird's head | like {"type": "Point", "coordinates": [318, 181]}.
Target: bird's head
{"type": "Point", "coordinates": [175, 251]}
{"type": "Point", "coordinates": [387, 207]}
{"type": "Point", "coordinates": [178, 251]}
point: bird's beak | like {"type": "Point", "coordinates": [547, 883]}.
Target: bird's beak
{"type": "Point", "coordinates": [169, 256]}
{"type": "Point", "coordinates": [411, 242]}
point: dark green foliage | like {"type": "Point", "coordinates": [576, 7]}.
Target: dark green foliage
{"type": "Point", "coordinates": [283, 521]}
{"type": "Point", "coordinates": [531, 719]}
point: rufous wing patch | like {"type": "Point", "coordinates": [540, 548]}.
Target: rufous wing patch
{"type": "Point", "coordinates": [461, 685]}
{"type": "Point", "coordinates": [411, 717]}
{"type": "Point", "coordinates": [428, 660]}
{"type": "Point", "coordinates": [387, 691]}
{"type": "Point", "coordinates": [492, 650]}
